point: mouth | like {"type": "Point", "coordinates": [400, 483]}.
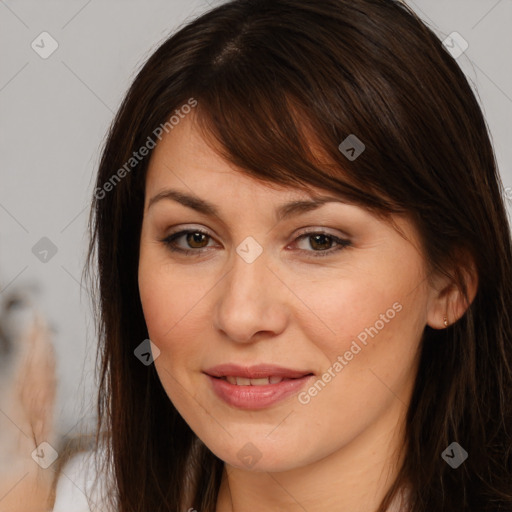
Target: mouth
{"type": "Point", "coordinates": [256, 387]}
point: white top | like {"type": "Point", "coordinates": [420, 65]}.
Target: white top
{"type": "Point", "coordinates": [75, 491]}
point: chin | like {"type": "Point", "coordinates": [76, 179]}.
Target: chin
{"type": "Point", "coordinates": [260, 455]}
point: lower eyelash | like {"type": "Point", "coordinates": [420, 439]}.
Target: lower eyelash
{"type": "Point", "coordinates": [168, 242]}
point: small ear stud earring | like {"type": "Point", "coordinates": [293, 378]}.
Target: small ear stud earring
{"type": "Point", "coordinates": [445, 321]}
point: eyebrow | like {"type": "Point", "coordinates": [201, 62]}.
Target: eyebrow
{"type": "Point", "coordinates": [284, 211]}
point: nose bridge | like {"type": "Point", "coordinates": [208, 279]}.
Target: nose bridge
{"type": "Point", "coordinates": [245, 285]}
{"type": "Point", "coordinates": [248, 301]}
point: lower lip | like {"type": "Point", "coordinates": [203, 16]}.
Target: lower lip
{"type": "Point", "coordinates": [256, 397]}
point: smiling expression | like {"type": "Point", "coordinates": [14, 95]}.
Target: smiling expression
{"type": "Point", "coordinates": [235, 271]}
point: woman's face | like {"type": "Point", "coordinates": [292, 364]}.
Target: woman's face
{"type": "Point", "coordinates": [260, 282]}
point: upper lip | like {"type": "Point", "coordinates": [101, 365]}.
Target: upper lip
{"type": "Point", "coordinates": [258, 371]}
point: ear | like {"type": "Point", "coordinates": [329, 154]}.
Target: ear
{"type": "Point", "coordinates": [447, 302]}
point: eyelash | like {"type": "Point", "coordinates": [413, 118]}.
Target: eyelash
{"type": "Point", "coordinates": [170, 240]}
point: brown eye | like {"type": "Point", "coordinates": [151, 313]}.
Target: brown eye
{"type": "Point", "coordinates": [197, 240]}
{"type": "Point", "coordinates": [320, 242]}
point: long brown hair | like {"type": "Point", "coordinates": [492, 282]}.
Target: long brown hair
{"type": "Point", "coordinates": [274, 79]}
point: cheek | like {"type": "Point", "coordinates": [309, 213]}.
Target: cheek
{"type": "Point", "coordinates": [175, 308]}
{"type": "Point", "coordinates": [157, 304]}
{"type": "Point", "coordinates": [371, 322]}
{"type": "Point", "coordinates": [170, 305]}
{"type": "Point", "coordinates": [337, 313]}
{"type": "Point", "coordinates": [369, 361]}
{"type": "Point", "coordinates": [168, 298]}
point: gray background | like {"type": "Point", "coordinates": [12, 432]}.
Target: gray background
{"type": "Point", "coordinates": [54, 114]}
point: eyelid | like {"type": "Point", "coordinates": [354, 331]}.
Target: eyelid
{"type": "Point", "coordinates": [313, 230]}
{"type": "Point", "coordinates": [189, 227]}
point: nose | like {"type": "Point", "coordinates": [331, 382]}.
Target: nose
{"type": "Point", "coordinates": [250, 302]}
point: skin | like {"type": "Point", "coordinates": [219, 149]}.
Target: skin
{"type": "Point", "coordinates": [290, 308]}
{"type": "Point", "coordinates": [27, 399]}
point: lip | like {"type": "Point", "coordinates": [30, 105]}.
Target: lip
{"type": "Point", "coordinates": [256, 397]}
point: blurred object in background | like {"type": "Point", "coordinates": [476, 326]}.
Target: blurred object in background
{"type": "Point", "coordinates": [27, 400]}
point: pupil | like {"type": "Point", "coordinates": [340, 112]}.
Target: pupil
{"type": "Point", "coordinates": [320, 242]}
{"type": "Point", "coordinates": [196, 239]}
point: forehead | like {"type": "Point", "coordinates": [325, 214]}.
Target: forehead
{"type": "Point", "coordinates": [186, 159]}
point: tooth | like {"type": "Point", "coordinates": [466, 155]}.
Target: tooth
{"type": "Point", "coordinates": [243, 381]}
{"type": "Point", "coordinates": [259, 382]}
